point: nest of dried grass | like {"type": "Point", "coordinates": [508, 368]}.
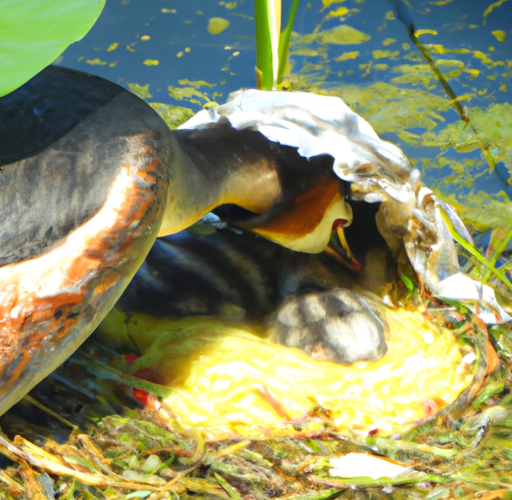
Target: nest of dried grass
{"type": "Point", "coordinates": [97, 443]}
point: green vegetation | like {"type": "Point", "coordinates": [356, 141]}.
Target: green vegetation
{"type": "Point", "coordinates": [118, 452]}
{"type": "Point", "coordinates": [271, 44]}
{"type": "Point", "coordinates": [35, 33]}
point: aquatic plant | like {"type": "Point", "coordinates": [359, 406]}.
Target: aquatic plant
{"type": "Point", "coordinates": [35, 33]}
{"type": "Point", "coordinates": [272, 44]}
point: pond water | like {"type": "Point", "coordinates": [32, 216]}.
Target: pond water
{"type": "Point", "coordinates": [190, 52]}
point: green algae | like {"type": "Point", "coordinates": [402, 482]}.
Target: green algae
{"type": "Point", "coordinates": [494, 126]}
{"type": "Point", "coordinates": [217, 25]}
{"type": "Point", "coordinates": [346, 56]}
{"type": "Point", "coordinates": [339, 35]}
{"type": "Point", "coordinates": [188, 94]}
{"type": "Point", "coordinates": [189, 91]}
{"type": "Point", "coordinates": [480, 209]}
{"type": "Point", "coordinates": [390, 108]}
{"type": "Point", "coordinates": [196, 83]}
{"type": "Point", "coordinates": [385, 54]}
{"type": "Point", "coordinates": [419, 118]}
{"type": "Point", "coordinates": [141, 91]}
{"type": "Point", "coordinates": [174, 116]}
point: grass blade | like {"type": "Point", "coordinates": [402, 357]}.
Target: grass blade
{"type": "Point", "coordinates": [284, 42]}
{"type": "Point", "coordinates": [268, 25]}
{"type": "Point", "coordinates": [473, 251]}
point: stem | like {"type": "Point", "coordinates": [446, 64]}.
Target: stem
{"type": "Point", "coordinates": [396, 446]}
{"type": "Point", "coordinates": [402, 11]}
{"type": "Point", "coordinates": [284, 42]}
{"type": "Point", "coordinates": [268, 22]}
{"type": "Point", "coordinates": [473, 251]}
{"type": "Point", "coordinates": [501, 248]}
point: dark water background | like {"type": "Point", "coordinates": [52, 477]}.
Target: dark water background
{"type": "Point", "coordinates": [459, 23]}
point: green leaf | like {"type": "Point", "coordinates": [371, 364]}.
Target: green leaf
{"type": "Point", "coordinates": [490, 390]}
{"type": "Point", "coordinates": [33, 33]}
{"type": "Point", "coordinates": [473, 251]}
{"type": "Point", "coordinates": [227, 487]}
{"type": "Point", "coordinates": [284, 42]}
{"type": "Point", "coordinates": [409, 285]}
{"type": "Point", "coordinates": [500, 237]}
{"type": "Point", "coordinates": [267, 14]}
{"type": "Point", "coordinates": [138, 494]}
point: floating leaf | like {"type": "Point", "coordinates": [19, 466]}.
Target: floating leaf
{"type": "Point", "coordinates": [35, 33]}
{"type": "Point", "coordinates": [217, 25]}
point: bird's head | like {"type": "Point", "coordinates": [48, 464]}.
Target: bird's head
{"type": "Point", "coordinates": [260, 186]}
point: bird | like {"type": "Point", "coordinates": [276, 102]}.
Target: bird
{"type": "Point", "coordinates": [90, 176]}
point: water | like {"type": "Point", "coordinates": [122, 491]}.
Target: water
{"type": "Point", "coordinates": [166, 53]}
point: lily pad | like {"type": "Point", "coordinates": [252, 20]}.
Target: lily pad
{"type": "Point", "coordinates": [35, 33]}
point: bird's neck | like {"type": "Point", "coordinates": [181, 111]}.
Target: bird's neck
{"type": "Point", "coordinates": [218, 166]}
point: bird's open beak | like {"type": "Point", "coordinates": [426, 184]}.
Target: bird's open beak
{"type": "Point", "coordinates": [338, 246]}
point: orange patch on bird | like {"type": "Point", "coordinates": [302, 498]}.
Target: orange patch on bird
{"type": "Point", "coordinates": [110, 280]}
{"type": "Point", "coordinates": [44, 309]}
{"type": "Point", "coordinates": [80, 267]}
{"type": "Point", "coordinates": [307, 210]}
{"type": "Point", "coordinates": [48, 300]}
